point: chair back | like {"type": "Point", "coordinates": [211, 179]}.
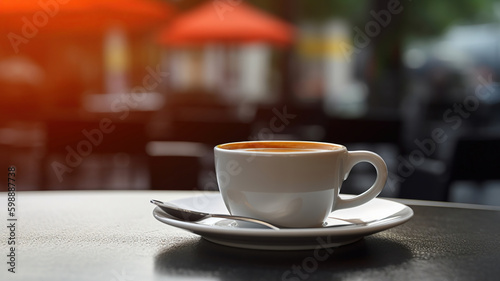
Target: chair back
{"type": "Point", "coordinates": [476, 159]}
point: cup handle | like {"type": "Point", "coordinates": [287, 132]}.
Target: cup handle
{"type": "Point", "coordinates": [353, 158]}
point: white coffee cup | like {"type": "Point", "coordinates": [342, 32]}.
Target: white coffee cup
{"type": "Point", "coordinates": [290, 183]}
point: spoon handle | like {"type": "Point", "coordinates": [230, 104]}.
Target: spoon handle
{"type": "Point", "coordinates": [244, 219]}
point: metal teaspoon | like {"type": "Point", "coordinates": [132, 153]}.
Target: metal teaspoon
{"type": "Point", "coordinates": [194, 216]}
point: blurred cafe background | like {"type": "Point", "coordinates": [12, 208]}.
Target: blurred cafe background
{"type": "Point", "coordinates": [134, 94]}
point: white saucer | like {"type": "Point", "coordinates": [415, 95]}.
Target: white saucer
{"type": "Point", "coordinates": [382, 214]}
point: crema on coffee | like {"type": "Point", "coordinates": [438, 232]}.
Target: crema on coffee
{"type": "Point", "coordinates": [280, 146]}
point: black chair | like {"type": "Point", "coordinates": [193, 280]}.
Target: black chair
{"type": "Point", "coordinates": [176, 165]}
{"type": "Point", "coordinates": [475, 159]}
{"type": "Point", "coordinates": [70, 143]}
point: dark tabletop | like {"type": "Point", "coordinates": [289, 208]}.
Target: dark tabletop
{"type": "Point", "coordinates": [438, 243]}
{"type": "Point", "coordinates": [112, 235]}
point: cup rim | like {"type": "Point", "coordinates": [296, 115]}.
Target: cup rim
{"type": "Point", "coordinates": [338, 147]}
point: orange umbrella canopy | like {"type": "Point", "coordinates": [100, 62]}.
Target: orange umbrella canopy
{"type": "Point", "coordinates": [23, 16]}
{"type": "Point", "coordinates": [219, 21]}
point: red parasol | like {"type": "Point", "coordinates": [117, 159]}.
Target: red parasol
{"type": "Point", "coordinates": [22, 21]}
{"type": "Point", "coordinates": [219, 21]}
{"type": "Point", "coordinates": [23, 16]}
